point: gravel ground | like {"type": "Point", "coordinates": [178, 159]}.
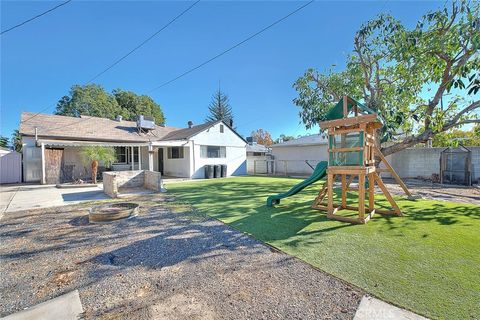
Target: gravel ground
{"type": "Point", "coordinates": [436, 191]}
{"type": "Point", "coordinates": [167, 263]}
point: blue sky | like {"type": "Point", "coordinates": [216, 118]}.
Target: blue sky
{"type": "Point", "coordinates": [41, 60]}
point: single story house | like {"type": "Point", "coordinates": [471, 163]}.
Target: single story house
{"type": "Point", "coordinates": [290, 156]}
{"type": "Point", "coordinates": [52, 147]}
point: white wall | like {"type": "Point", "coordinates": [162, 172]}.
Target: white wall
{"type": "Point", "coordinates": [296, 156]}
{"type": "Point", "coordinates": [236, 152]}
{"type": "Point", "coordinates": [177, 167]}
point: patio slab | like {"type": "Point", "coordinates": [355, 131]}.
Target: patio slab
{"type": "Point", "coordinates": [66, 307]}
{"type": "Point", "coordinates": [371, 308]}
{"type": "Point", "coordinates": [27, 197]}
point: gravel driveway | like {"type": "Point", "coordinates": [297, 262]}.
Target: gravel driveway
{"type": "Point", "coordinates": [167, 263]}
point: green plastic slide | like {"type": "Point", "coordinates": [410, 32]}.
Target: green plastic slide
{"type": "Point", "coordinates": [319, 172]}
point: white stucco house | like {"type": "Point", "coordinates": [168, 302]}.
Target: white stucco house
{"type": "Point", "coordinates": [52, 145]}
{"type": "Point", "coordinates": [290, 156]}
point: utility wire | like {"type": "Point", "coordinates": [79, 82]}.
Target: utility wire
{"type": "Point", "coordinates": [143, 42]}
{"type": "Point", "coordinates": [35, 17]}
{"type": "Point", "coordinates": [232, 47]}
{"type": "Point", "coordinates": [125, 56]}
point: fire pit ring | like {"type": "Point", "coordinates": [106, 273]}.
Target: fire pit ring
{"type": "Point", "coordinates": [113, 211]}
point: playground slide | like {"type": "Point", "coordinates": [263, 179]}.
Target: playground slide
{"type": "Point", "coordinates": [319, 172]}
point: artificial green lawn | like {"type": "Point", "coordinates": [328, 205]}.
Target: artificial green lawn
{"type": "Point", "coordinates": [427, 261]}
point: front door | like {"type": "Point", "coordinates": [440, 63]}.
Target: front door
{"type": "Point", "coordinates": [160, 160]}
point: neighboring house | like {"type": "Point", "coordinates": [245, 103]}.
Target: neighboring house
{"type": "Point", "coordinates": [290, 156]}
{"type": "Point", "coordinates": [258, 156]}
{"type": "Point", "coordinates": [52, 145]}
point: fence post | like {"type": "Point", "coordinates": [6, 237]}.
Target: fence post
{"type": "Point", "coordinates": [254, 167]}
{"type": "Point", "coordinates": [285, 166]}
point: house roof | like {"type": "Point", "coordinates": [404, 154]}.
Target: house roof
{"type": "Point", "coordinates": [186, 133]}
{"type": "Point", "coordinates": [257, 148]}
{"type": "Point", "coordinates": [87, 128]}
{"type": "Point", "coordinates": [311, 140]}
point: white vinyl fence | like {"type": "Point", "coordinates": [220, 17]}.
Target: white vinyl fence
{"type": "Point", "coordinates": [10, 167]}
{"type": "Point", "coordinates": [285, 167]}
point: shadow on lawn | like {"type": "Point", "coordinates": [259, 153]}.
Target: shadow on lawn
{"type": "Point", "coordinates": [242, 205]}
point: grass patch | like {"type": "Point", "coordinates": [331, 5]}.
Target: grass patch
{"type": "Point", "coordinates": [427, 261]}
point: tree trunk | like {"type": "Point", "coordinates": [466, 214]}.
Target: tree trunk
{"type": "Point", "coordinates": [94, 170]}
{"type": "Point", "coordinates": [407, 143]}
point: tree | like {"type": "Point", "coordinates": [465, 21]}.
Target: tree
{"type": "Point", "coordinates": [219, 108]}
{"type": "Point", "coordinates": [132, 105]}
{"type": "Point", "coordinates": [90, 100]}
{"type": "Point", "coordinates": [93, 100]}
{"type": "Point", "coordinates": [284, 138]}
{"type": "Point", "coordinates": [262, 137]}
{"type": "Point", "coordinates": [454, 137]}
{"type": "Point", "coordinates": [96, 154]}
{"type": "Point", "coordinates": [17, 141]}
{"type": "Point", "coordinates": [3, 142]}
{"type": "Point", "coordinates": [422, 81]}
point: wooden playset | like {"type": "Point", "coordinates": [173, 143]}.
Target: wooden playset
{"type": "Point", "coordinates": [352, 149]}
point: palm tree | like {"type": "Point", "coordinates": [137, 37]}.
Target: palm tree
{"type": "Point", "coordinates": [95, 154]}
{"type": "Point", "coordinates": [17, 141]}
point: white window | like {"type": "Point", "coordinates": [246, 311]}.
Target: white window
{"type": "Point", "coordinates": [175, 153]}
{"type": "Point", "coordinates": [213, 152]}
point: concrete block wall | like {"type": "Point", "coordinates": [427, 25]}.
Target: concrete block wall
{"type": "Point", "coordinates": [110, 185]}
{"type": "Point", "coordinates": [423, 162]}
{"type": "Point", "coordinates": [153, 180]}
{"type": "Point", "coordinates": [114, 180]}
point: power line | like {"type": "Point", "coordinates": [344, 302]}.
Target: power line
{"type": "Point", "coordinates": [35, 17]}
{"type": "Point", "coordinates": [232, 47]}
{"type": "Point", "coordinates": [143, 42]}
{"type": "Point", "coordinates": [126, 55]}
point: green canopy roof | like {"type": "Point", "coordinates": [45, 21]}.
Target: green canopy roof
{"type": "Point", "coordinates": [337, 111]}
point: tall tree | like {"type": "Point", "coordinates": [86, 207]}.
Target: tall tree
{"type": "Point", "coordinates": [17, 141]}
{"type": "Point", "coordinates": [405, 75]}
{"type": "Point", "coordinates": [93, 100]}
{"type": "Point", "coordinates": [132, 105]}
{"type": "Point", "coordinates": [90, 100]}
{"type": "Point", "coordinates": [262, 137]}
{"type": "Point", "coordinates": [3, 142]}
{"type": "Point", "coordinates": [219, 108]}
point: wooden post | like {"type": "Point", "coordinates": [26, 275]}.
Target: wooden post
{"type": "Point", "coordinates": [330, 193]}
{"type": "Point", "coordinates": [371, 192]}
{"type": "Point", "coordinates": [344, 191]}
{"type": "Point", "coordinates": [361, 197]}
{"type": "Point", "coordinates": [345, 106]}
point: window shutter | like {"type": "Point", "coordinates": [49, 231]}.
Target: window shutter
{"type": "Point", "coordinates": [180, 152]}
{"type": "Point", "coordinates": [223, 152]}
{"type": "Point", "coordinates": [203, 151]}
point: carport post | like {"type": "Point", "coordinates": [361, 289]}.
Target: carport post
{"type": "Point", "coordinates": [150, 157]}
{"type": "Point", "coordinates": [139, 158]}
{"type": "Point", "coordinates": [43, 181]}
